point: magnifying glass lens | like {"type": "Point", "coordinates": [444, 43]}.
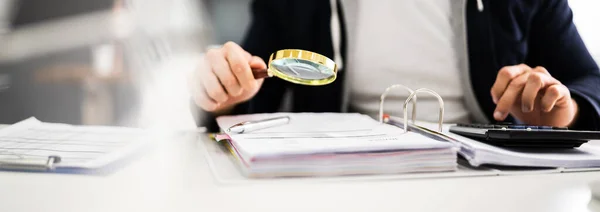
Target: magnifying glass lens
{"type": "Point", "coordinates": [299, 66]}
{"type": "Point", "coordinates": [302, 69]}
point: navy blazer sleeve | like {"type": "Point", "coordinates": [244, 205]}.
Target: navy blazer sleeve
{"type": "Point", "coordinates": [557, 45]}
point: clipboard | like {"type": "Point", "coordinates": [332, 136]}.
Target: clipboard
{"type": "Point", "coordinates": [30, 165]}
{"type": "Point", "coordinates": [34, 146]}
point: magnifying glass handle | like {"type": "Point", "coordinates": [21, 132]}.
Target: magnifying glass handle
{"type": "Point", "coordinates": [260, 73]}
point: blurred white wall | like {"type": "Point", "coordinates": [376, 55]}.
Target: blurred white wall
{"type": "Point", "coordinates": [586, 15]}
{"type": "Point", "coordinates": [162, 51]}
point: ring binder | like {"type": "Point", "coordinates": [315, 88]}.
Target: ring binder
{"type": "Point", "coordinates": [412, 97]}
{"type": "Point", "coordinates": [31, 165]}
{"type": "Point", "coordinates": [385, 93]}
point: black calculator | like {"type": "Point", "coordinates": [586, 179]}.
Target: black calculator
{"type": "Point", "coordinates": [525, 136]}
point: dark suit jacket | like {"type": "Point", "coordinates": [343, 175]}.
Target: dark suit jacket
{"type": "Point", "coordinates": [507, 32]}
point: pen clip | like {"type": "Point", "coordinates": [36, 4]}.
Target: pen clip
{"type": "Point", "coordinates": [249, 125]}
{"type": "Point", "coordinates": [237, 125]}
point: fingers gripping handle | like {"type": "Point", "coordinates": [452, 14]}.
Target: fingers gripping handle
{"type": "Point", "coordinates": [260, 73]}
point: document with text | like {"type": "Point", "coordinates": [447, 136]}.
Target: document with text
{"type": "Point", "coordinates": [85, 147]}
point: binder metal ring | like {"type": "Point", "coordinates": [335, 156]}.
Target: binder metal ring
{"type": "Point", "coordinates": [384, 95]}
{"type": "Point", "coordinates": [413, 96]}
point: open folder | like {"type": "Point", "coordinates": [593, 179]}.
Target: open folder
{"type": "Point", "coordinates": [478, 153]}
{"type": "Point", "coordinates": [320, 144]}
{"type": "Point", "coordinates": [338, 144]}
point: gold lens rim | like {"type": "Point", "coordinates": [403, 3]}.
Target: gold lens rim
{"type": "Point", "coordinates": [303, 55]}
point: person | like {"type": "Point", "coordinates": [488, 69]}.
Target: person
{"type": "Point", "coordinates": [518, 61]}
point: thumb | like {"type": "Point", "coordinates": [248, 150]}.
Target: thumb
{"type": "Point", "coordinates": [257, 63]}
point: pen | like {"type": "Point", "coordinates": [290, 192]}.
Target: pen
{"type": "Point", "coordinates": [249, 126]}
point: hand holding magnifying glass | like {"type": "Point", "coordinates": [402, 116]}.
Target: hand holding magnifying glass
{"type": "Point", "coordinates": [231, 75]}
{"type": "Point", "coordinates": [300, 67]}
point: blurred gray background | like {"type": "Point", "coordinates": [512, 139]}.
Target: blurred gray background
{"type": "Point", "coordinates": [230, 18]}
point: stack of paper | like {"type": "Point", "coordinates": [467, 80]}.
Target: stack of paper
{"type": "Point", "coordinates": [30, 142]}
{"type": "Point", "coordinates": [317, 144]}
{"type": "Point", "coordinates": [478, 153]}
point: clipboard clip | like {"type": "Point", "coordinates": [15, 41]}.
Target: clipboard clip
{"type": "Point", "coordinates": [30, 164]}
{"type": "Point", "coordinates": [412, 98]}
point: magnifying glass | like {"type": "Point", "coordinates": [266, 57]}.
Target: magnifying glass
{"type": "Point", "coordinates": [300, 67]}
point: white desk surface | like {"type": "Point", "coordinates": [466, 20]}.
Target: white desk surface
{"type": "Point", "coordinates": [174, 176]}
